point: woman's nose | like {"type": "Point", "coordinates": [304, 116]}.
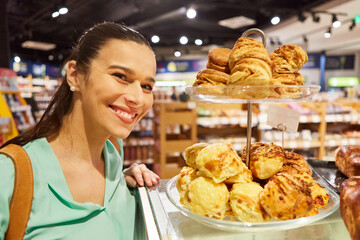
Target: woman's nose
{"type": "Point", "coordinates": [134, 94]}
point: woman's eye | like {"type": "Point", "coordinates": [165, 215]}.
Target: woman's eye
{"type": "Point", "coordinates": [147, 87]}
{"type": "Point", "coordinates": [120, 76]}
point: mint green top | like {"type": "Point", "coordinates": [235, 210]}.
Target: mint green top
{"type": "Point", "coordinates": [54, 213]}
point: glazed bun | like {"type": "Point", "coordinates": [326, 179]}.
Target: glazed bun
{"type": "Point", "coordinates": [211, 77]}
{"type": "Point", "coordinates": [248, 48]}
{"type": "Point", "coordinates": [218, 59]}
{"type": "Point", "coordinates": [288, 58]}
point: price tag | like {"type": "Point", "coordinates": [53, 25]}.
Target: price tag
{"type": "Point", "coordinates": [280, 116]}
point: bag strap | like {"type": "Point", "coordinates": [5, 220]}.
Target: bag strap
{"type": "Point", "coordinates": [21, 201]}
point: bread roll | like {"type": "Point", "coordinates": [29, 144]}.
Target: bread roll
{"type": "Point", "coordinates": [347, 159]}
{"type": "Point", "coordinates": [219, 161]}
{"type": "Point", "coordinates": [295, 163]}
{"type": "Point", "coordinates": [191, 153]}
{"type": "Point", "coordinates": [350, 207]}
{"type": "Point", "coordinates": [183, 180]}
{"type": "Point", "coordinates": [208, 198]}
{"type": "Point", "coordinates": [218, 59]}
{"type": "Point", "coordinates": [245, 202]}
{"type": "Point", "coordinates": [288, 58]}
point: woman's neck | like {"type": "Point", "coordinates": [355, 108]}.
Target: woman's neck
{"type": "Point", "coordinates": [78, 143]}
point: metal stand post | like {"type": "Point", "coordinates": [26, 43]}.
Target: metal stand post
{"type": "Point", "coordinates": [248, 134]}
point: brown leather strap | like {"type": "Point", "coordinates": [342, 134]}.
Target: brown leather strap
{"type": "Point", "coordinates": [21, 200]}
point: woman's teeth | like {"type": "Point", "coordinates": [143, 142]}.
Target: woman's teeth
{"type": "Point", "coordinates": [124, 114]}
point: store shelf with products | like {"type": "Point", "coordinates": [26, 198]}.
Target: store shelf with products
{"type": "Point", "coordinates": [13, 106]}
{"type": "Point", "coordinates": [323, 127]}
{"type": "Point", "coordinates": [138, 146]}
{"type": "Point", "coordinates": [37, 92]}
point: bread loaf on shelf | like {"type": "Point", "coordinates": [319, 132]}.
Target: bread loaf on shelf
{"type": "Point", "coordinates": [347, 160]}
{"type": "Point", "coordinates": [350, 207]}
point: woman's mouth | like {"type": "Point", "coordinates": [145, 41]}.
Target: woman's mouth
{"type": "Point", "coordinates": [125, 116]}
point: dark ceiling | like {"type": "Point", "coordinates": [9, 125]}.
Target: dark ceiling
{"type": "Point", "coordinates": [31, 19]}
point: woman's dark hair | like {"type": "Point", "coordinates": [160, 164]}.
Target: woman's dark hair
{"type": "Point", "coordinates": [83, 53]}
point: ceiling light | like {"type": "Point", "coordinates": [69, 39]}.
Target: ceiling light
{"type": "Point", "coordinates": [184, 40]}
{"type": "Point", "coordinates": [315, 17]}
{"type": "Point", "coordinates": [55, 14]}
{"type": "Point", "coordinates": [237, 22]}
{"type": "Point", "coordinates": [275, 20]}
{"type": "Point", "coordinates": [328, 33]}
{"type": "Point", "coordinates": [38, 45]}
{"type": "Point", "coordinates": [155, 39]}
{"type": "Point", "coordinates": [51, 57]}
{"type": "Point", "coordinates": [63, 10]}
{"type": "Point", "coordinates": [335, 22]}
{"type": "Point", "coordinates": [177, 53]}
{"type": "Point", "coordinates": [17, 59]}
{"type": "Point", "coordinates": [301, 17]}
{"type": "Point", "coordinates": [198, 42]}
{"type": "Point", "coordinates": [191, 13]}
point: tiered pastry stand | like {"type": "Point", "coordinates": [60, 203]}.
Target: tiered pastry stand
{"type": "Point", "coordinates": [252, 94]}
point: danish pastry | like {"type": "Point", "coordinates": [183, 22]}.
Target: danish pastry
{"type": "Point", "coordinates": [288, 58]}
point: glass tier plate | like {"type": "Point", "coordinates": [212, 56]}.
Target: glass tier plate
{"type": "Point", "coordinates": [254, 94]}
{"type": "Point", "coordinates": [231, 224]}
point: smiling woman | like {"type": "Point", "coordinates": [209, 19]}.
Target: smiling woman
{"type": "Point", "coordinates": [80, 190]}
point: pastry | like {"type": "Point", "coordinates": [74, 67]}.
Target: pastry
{"type": "Point", "coordinates": [287, 79]}
{"type": "Point", "coordinates": [186, 176]}
{"type": "Point", "coordinates": [295, 163]}
{"type": "Point", "coordinates": [191, 153]}
{"type": "Point", "coordinates": [245, 204]}
{"type": "Point", "coordinates": [266, 161]}
{"type": "Point", "coordinates": [208, 198]}
{"type": "Point", "coordinates": [347, 160]}
{"type": "Point", "coordinates": [219, 161]}
{"type": "Point", "coordinates": [288, 58]}
{"type": "Point", "coordinates": [218, 59]}
{"type": "Point", "coordinates": [286, 197]}
{"type": "Point", "coordinates": [248, 48]}
{"type": "Point", "coordinates": [211, 77]}
{"type": "Point", "coordinates": [349, 206]}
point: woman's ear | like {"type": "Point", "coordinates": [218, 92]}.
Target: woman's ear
{"type": "Point", "coordinates": [72, 75]}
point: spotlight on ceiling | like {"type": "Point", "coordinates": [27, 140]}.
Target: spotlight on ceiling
{"type": "Point", "coordinates": [335, 22]}
{"type": "Point", "coordinates": [327, 34]}
{"type": "Point", "coordinates": [155, 39]}
{"type": "Point", "coordinates": [17, 59]}
{"type": "Point", "coordinates": [63, 10]}
{"type": "Point", "coordinates": [55, 14]}
{"type": "Point", "coordinates": [301, 17]}
{"type": "Point", "coordinates": [191, 13]}
{"type": "Point", "coordinates": [177, 53]}
{"type": "Point", "coordinates": [183, 40]}
{"type": "Point", "coordinates": [198, 42]}
{"type": "Point", "coordinates": [275, 20]}
{"type": "Point", "coordinates": [315, 17]}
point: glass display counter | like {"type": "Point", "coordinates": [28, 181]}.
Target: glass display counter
{"type": "Point", "coordinates": [170, 223]}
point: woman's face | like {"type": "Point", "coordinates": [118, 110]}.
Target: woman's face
{"type": "Point", "coordinates": [117, 91]}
